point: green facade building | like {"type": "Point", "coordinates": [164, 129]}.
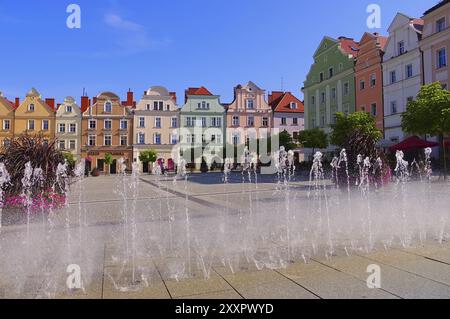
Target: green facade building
{"type": "Point", "coordinates": [330, 85]}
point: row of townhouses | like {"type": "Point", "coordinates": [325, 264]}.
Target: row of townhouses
{"type": "Point", "coordinates": [106, 124]}
{"type": "Point", "coordinates": [379, 74]}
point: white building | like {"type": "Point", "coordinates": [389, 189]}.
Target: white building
{"type": "Point", "coordinates": [402, 72]}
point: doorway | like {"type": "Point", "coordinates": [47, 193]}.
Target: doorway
{"type": "Point", "coordinates": [113, 167]}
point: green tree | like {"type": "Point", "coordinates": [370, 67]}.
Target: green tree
{"type": "Point", "coordinates": [430, 114]}
{"type": "Point", "coordinates": [286, 140]}
{"type": "Point", "coordinates": [108, 160]}
{"type": "Point", "coordinates": [346, 125]}
{"type": "Point", "coordinates": [69, 158]}
{"type": "Point", "coordinates": [315, 138]}
{"type": "Point", "coordinates": [148, 156]}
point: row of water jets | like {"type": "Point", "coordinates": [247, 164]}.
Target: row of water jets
{"type": "Point", "coordinates": [255, 227]}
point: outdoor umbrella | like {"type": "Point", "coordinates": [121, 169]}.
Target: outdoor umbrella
{"type": "Point", "coordinates": [412, 143]}
{"type": "Point", "coordinates": [447, 143]}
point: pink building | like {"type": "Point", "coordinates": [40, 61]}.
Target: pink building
{"type": "Point", "coordinates": [249, 116]}
{"type": "Point", "coordinates": [288, 112]}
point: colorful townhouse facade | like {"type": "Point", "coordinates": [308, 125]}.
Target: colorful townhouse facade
{"type": "Point", "coordinates": [68, 127]}
{"type": "Point", "coordinates": [202, 125]}
{"type": "Point", "coordinates": [435, 44]}
{"type": "Point", "coordinates": [35, 116]}
{"type": "Point", "coordinates": [249, 116]}
{"type": "Point", "coordinates": [7, 120]}
{"type": "Point", "coordinates": [107, 127]}
{"type": "Point", "coordinates": [330, 84]}
{"type": "Point", "coordinates": [288, 113]}
{"type": "Point", "coordinates": [402, 72]}
{"type": "Point", "coordinates": [369, 76]}
{"type": "Point", "coordinates": [156, 126]}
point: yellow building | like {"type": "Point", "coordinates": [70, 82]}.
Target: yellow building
{"type": "Point", "coordinates": [6, 120]}
{"type": "Point", "coordinates": [34, 116]}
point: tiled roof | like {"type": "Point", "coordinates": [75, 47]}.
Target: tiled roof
{"type": "Point", "coordinates": [198, 91]}
{"type": "Point", "coordinates": [349, 46]}
{"type": "Point", "coordinates": [282, 103]}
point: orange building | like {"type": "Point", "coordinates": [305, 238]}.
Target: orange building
{"type": "Point", "coordinates": [106, 128]}
{"type": "Point", "coordinates": [368, 76]}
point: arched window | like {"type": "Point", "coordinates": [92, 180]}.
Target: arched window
{"type": "Point", "coordinates": [108, 107]}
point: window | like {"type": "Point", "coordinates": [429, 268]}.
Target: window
{"type": "Point", "coordinates": [322, 97]}
{"type": "Point", "coordinates": [293, 106]}
{"type": "Point", "coordinates": [313, 100]}
{"type": "Point", "coordinates": [204, 121]}
{"type": "Point", "coordinates": [123, 124]}
{"type": "Point", "coordinates": [173, 139]}
{"type": "Point", "coordinates": [190, 121]}
{"type": "Point", "coordinates": [235, 120]}
{"type": "Point", "coordinates": [108, 140]}
{"type": "Point", "coordinates": [330, 72]}
{"type": "Point", "coordinates": [91, 140]}
{"type": "Point", "coordinates": [393, 77]}
{"type": "Point", "coordinates": [373, 80]}
{"type": "Point", "coordinates": [321, 76]}
{"type": "Point", "coordinates": [141, 122]}
{"type": "Point", "coordinates": [157, 122]}
{"type": "Point", "coordinates": [92, 124]}
{"type": "Point", "coordinates": [157, 139]}
{"type": "Point", "coordinates": [362, 85]}
{"type": "Point", "coordinates": [333, 93]}
{"type": "Point", "coordinates": [250, 121]}
{"type": "Point", "coordinates": [141, 138]}
{"type": "Point", "coordinates": [68, 108]}
{"type": "Point", "coordinates": [107, 107]}
{"type": "Point", "coordinates": [73, 128]}
{"type": "Point", "coordinates": [409, 99]}
{"type": "Point", "coordinates": [265, 121]}
{"type": "Point", "coordinates": [45, 125]}
{"type": "Point", "coordinates": [346, 88]}
{"type": "Point", "coordinates": [62, 128]}
{"type": "Point", "coordinates": [167, 107]}
{"type": "Point", "coordinates": [216, 122]}
{"type": "Point", "coordinates": [440, 25]}
{"type": "Point", "coordinates": [155, 106]}
{"type": "Point", "coordinates": [441, 58]}
{"type": "Point", "coordinates": [108, 124]}
{"type": "Point", "coordinates": [31, 124]}
{"type": "Point", "coordinates": [236, 138]}
{"type": "Point", "coordinates": [62, 145]}
{"type": "Point", "coordinates": [31, 107]}
{"type": "Point", "coordinates": [6, 125]}
{"type": "Point", "coordinates": [401, 47]}
{"type": "Point", "coordinates": [409, 71]}
{"type": "Point", "coordinates": [123, 140]}
{"type": "Point", "coordinates": [148, 107]}
{"type": "Point", "coordinates": [250, 104]}
{"type": "Point", "coordinates": [72, 144]}
{"type": "Point", "coordinates": [393, 107]}
{"type": "Point", "coordinates": [373, 109]}
{"type": "Point", "coordinates": [161, 106]}
{"type": "Point", "coordinates": [174, 122]}
{"type": "Point", "coordinates": [283, 121]}
{"type": "Point", "coordinates": [295, 121]}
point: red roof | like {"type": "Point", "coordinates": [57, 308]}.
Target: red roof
{"type": "Point", "coordinates": [282, 103]}
{"type": "Point", "coordinates": [412, 143]}
{"type": "Point", "coordinates": [198, 91]}
{"type": "Point", "coordinates": [349, 46]}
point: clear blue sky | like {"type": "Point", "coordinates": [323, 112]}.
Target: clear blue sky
{"type": "Point", "coordinates": [176, 43]}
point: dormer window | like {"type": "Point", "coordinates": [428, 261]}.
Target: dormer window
{"type": "Point", "coordinates": [31, 107]}
{"type": "Point", "coordinates": [107, 107]}
{"type": "Point", "coordinates": [401, 47]}
{"type": "Point", "coordinates": [293, 106]}
{"type": "Point", "coordinates": [440, 25]}
{"type": "Point", "coordinates": [68, 108]}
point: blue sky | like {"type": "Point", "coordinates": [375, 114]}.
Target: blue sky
{"type": "Point", "coordinates": [176, 43]}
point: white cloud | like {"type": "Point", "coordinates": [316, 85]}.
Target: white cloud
{"type": "Point", "coordinates": [116, 21]}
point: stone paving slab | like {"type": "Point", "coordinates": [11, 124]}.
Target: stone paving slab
{"type": "Point", "coordinates": [329, 283]}
{"type": "Point", "coordinates": [264, 284]}
{"type": "Point", "coordinates": [228, 294]}
{"type": "Point", "coordinates": [395, 281]}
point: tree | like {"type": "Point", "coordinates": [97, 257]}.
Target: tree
{"type": "Point", "coordinates": [286, 140]}
{"type": "Point", "coordinates": [346, 125]}
{"type": "Point", "coordinates": [429, 114]}
{"type": "Point", "coordinates": [70, 159]}
{"type": "Point", "coordinates": [148, 156]}
{"type": "Point", "coordinates": [315, 138]}
{"type": "Point", "coordinates": [108, 160]}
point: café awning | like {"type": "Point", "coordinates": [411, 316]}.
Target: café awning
{"type": "Point", "coordinates": [411, 143]}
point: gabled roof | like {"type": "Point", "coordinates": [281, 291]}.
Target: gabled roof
{"type": "Point", "coordinates": [7, 102]}
{"type": "Point", "coordinates": [440, 4]}
{"type": "Point", "coordinates": [349, 46]}
{"type": "Point", "coordinates": [282, 103]}
{"type": "Point", "coordinates": [198, 91]}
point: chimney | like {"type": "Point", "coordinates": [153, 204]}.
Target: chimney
{"type": "Point", "coordinates": [51, 103]}
{"type": "Point", "coordinates": [84, 103]}
{"type": "Point", "coordinates": [174, 96]}
{"type": "Point", "coordinates": [17, 102]}
{"type": "Point", "coordinates": [94, 100]}
{"type": "Point", "coordinates": [130, 98]}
